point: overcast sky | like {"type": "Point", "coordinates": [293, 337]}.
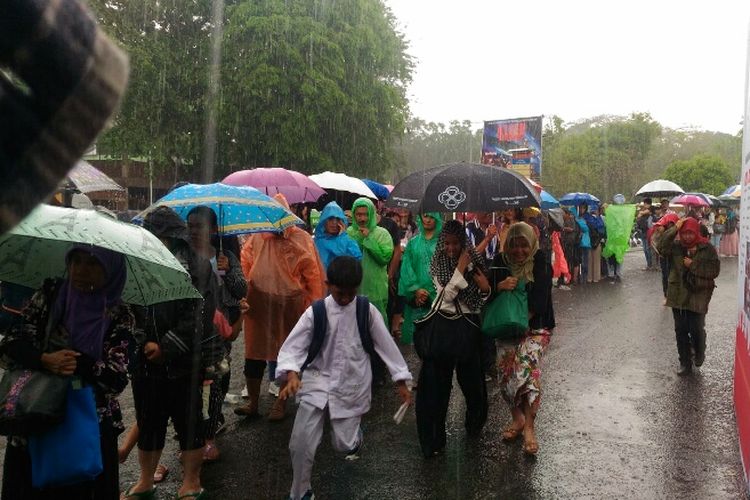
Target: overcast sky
{"type": "Point", "coordinates": [682, 61]}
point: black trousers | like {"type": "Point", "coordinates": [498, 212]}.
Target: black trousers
{"type": "Point", "coordinates": [159, 399]}
{"type": "Point", "coordinates": [434, 392]}
{"type": "Point", "coordinates": [690, 331]}
{"type": "Point", "coordinates": [106, 486]}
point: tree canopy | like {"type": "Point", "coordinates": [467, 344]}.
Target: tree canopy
{"type": "Point", "coordinates": [308, 84]}
{"type": "Point", "coordinates": [702, 173]}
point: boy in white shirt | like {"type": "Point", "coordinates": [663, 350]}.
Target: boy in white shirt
{"type": "Point", "coordinates": [337, 379]}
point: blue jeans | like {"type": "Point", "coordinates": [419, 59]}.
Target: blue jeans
{"type": "Point", "coordinates": [647, 253]}
{"type": "Point", "coordinates": [584, 265]}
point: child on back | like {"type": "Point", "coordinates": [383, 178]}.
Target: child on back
{"type": "Point", "coordinates": [337, 380]}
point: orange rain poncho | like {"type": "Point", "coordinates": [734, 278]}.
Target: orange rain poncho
{"type": "Point", "coordinates": [284, 276]}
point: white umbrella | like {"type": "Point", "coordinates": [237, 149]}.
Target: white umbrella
{"type": "Point", "coordinates": [660, 187]}
{"type": "Point", "coordinates": [87, 178]}
{"type": "Point", "coordinates": [341, 182]}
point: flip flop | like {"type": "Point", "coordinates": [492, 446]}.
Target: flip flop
{"type": "Point", "coordinates": [161, 473]}
{"type": "Point", "coordinates": [142, 495]}
{"type": "Point", "coordinates": [197, 495]}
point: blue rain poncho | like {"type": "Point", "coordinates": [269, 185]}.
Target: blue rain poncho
{"type": "Point", "coordinates": [331, 246]}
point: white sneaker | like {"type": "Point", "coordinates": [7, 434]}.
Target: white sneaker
{"type": "Point", "coordinates": [564, 287]}
{"type": "Point", "coordinates": [273, 388]}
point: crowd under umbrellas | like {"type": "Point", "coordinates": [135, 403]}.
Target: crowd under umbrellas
{"type": "Point", "coordinates": [257, 202]}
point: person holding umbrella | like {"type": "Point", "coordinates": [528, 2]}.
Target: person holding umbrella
{"type": "Point", "coordinates": [90, 331]}
{"type": "Point", "coordinates": [458, 273]}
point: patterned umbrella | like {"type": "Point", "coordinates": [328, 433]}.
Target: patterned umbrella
{"type": "Point", "coordinates": [239, 210]}
{"type": "Point", "coordinates": [87, 178]}
{"type": "Point", "coordinates": [463, 187]}
{"type": "Point", "coordinates": [35, 250]}
{"type": "Point", "coordinates": [296, 187]}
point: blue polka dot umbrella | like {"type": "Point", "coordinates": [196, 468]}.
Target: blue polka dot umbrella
{"type": "Point", "coordinates": [239, 209]}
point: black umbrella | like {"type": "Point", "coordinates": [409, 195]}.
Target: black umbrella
{"type": "Point", "coordinates": [463, 187]}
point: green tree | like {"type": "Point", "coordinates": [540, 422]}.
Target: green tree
{"type": "Point", "coordinates": [309, 84]}
{"type": "Point", "coordinates": [314, 85]}
{"type": "Point", "coordinates": [703, 174]}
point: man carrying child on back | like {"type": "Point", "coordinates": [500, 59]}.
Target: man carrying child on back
{"type": "Point", "coordinates": [335, 358]}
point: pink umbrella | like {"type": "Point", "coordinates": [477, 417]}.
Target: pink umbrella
{"type": "Point", "coordinates": [690, 200]}
{"type": "Point", "coordinates": [296, 187]}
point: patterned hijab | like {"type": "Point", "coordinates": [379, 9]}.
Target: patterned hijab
{"type": "Point", "coordinates": [442, 266]}
{"type": "Point", "coordinates": [523, 269]}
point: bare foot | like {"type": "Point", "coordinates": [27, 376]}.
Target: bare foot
{"type": "Point", "coordinates": [530, 444]}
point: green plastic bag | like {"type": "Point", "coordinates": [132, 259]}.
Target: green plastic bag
{"type": "Point", "coordinates": [507, 315]}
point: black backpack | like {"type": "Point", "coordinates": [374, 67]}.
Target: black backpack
{"type": "Point", "coordinates": [320, 325]}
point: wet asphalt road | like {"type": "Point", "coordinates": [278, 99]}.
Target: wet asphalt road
{"type": "Point", "coordinates": [615, 421]}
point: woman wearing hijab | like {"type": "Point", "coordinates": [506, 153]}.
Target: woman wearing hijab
{"type": "Point", "coordinates": [284, 276]}
{"type": "Point", "coordinates": [331, 239]}
{"type": "Point", "coordinates": [729, 245]}
{"type": "Point", "coordinates": [91, 330]}
{"type": "Point", "coordinates": [415, 282]}
{"type": "Point", "coordinates": [458, 274]}
{"type": "Point", "coordinates": [695, 265]}
{"type": "Point", "coordinates": [520, 365]}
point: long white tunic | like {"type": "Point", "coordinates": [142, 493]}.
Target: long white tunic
{"type": "Point", "coordinates": [340, 376]}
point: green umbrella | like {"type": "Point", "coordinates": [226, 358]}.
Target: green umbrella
{"type": "Point", "coordinates": [35, 250]}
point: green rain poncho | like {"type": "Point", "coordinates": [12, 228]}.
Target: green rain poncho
{"type": "Point", "coordinates": [415, 275]}
{"type": "Point", "coordinates": [377, 250]}
{"type": "Point", "coordinates": [619, 221]}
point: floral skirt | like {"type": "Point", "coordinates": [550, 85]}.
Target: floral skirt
{"type": "Point", "coordinates": [520, 368]}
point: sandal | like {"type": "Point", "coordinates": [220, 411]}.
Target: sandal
{"type": "Point", "coordinates": [510, 433]}
{"type": "Point", "coordinates": [161, 473]}
{"type": "Point", "coordinates": [197, 495]}
{"type": "Point", "coordinates": [144, 495]}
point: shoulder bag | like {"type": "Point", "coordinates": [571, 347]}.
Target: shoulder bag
{"type": "Point", "coordinates": [508, 314]}
{"type": "Point", "coordinates": [444, 337]}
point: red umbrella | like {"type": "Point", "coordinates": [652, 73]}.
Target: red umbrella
{"type": "Point", "coordinates": [296, 187]}
{"type": "Point", "coordinates": [691, 200]}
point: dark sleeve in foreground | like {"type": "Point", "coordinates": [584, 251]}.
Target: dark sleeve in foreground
{"type": "Point", "coordinates": [540, 295]}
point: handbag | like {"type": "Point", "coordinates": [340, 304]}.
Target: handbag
{"type": "Point", "coordinates": [508, 314]}
{"type": "Point", "coordinates": [443, 337]}
{"type": "Point", "coordinates": [31, 401]}
{"type": "Point", "coordinates": [70, 452]}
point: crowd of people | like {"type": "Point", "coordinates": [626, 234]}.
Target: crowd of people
{"type": "Point", "coordinates": [324, 313]}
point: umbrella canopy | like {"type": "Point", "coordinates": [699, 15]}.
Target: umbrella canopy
{"type": "Point", "coordinates": [87, 179]}
{"type": "Point", "coordinates": [335, 181]}
{"type": "Point", "coordinates": [463, 187]}
{"type": "Point", "coordinates": [556, 217]}
{"type": "Point", "coordinates": [579, 199]}
{"type": "Point", "coordinates": [660, 187]}
{"type": "Point", "coordinates": [35, 250]}
{"type": "Point", "coordinates": [691, 199]}
{"type": "Point", "coordinates": [548, 201]}
{"type": "Point", "coordinates": [296, 187]}
{"type": "Point", "coordinates": [380, 190]}
{"type": "Point", "coordinates": [239, 210]}
{"type": "Point", "coordinates": [733, 191]}
{"type": "Point", "coordinates": [535, 185]}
